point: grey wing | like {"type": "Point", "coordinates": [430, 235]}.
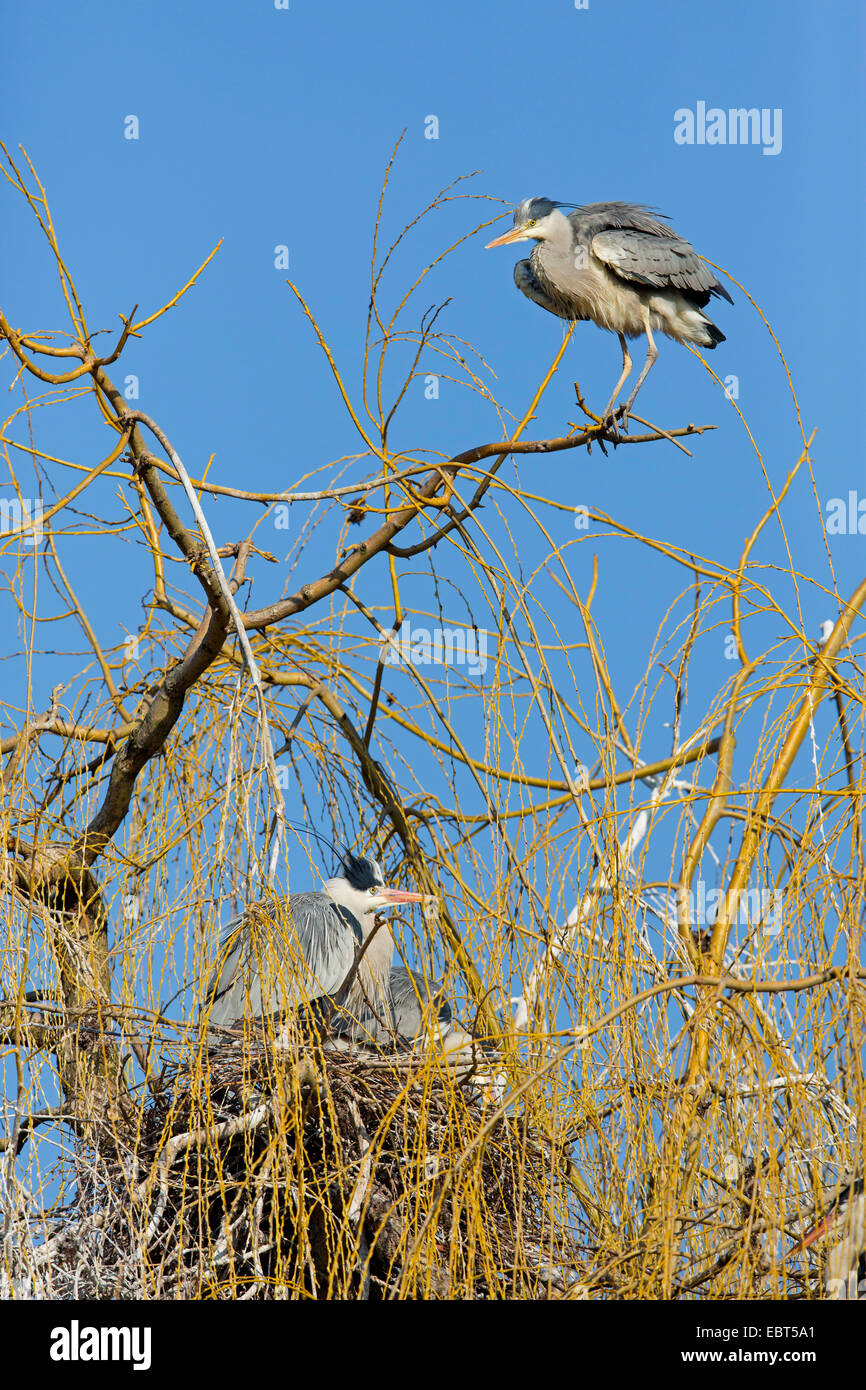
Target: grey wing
{"type": "Point", "coordinates": [526, 281]}
{"type": "Point", "coordinates": [593, 218]}
{"type": "Point", "coordinates": [224, 991]}
{"type": "Point", "coordinates": [327, 937]}
{"type": "Point", "coordinates": [665, 262]}
{"type": "Point", "coordinates": [270, 962]}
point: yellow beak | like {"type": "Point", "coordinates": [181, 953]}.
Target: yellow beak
{"type": "Point", "coordinates": [816, 1232]}
{"type": "Point", "coordinates": [516, 234]}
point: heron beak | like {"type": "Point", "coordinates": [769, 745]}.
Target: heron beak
{"type": "Point", "coordinates": [816, 1232]}
{"type": "Point", "coordinates": [516, 234]}
{"type": "Point", "coordinates": [395, 896]}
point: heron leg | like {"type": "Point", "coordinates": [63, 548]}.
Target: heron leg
{"type": "Point", "coordinates": [626, 369]}
{"type": "Point", "coordinates": [652, 353]}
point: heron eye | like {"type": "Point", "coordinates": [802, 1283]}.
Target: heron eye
{"type": "Point", "coordinates": [531, 222]}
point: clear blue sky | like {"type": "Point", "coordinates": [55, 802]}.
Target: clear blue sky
{"type": "Point", "coordinates": [266, 126]}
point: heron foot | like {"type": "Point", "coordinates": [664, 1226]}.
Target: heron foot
{"type": "Point", "coordinates": [615, 420]}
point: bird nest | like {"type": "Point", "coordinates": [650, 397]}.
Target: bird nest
{"type": "Point", "coordinates": [267, 1173]}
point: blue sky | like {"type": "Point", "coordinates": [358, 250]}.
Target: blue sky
{"type": "Point", "coordinates": [267, 127]}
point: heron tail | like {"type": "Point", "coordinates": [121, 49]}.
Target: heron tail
{"type": "Point", "coordinates": [695, 327]}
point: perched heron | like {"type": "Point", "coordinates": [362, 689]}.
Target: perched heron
{"type": "Point", "coordinates": [616, 264]}
{"type": "Point", "coordinates": [845, 1271]}
{"type": "Point", "coordinates": [273, 960]}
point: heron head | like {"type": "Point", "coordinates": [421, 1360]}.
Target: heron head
{"type": "Point", "coordinates": [533, 221]}
{"type": "Point", "coordinates": [366, 883]}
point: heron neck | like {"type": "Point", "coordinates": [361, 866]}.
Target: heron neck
{"type": "Point", "coordinates": [378, 952]}
{"type": "Point", "coordinates": [559, 237]}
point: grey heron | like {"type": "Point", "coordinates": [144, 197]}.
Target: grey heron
{"type": "Point", "coordinates": [412, 1003]}
{"type": "Point", "coordinates": [276, 958]}
{"type": "Point", "coordinates": [417, 1009]}
{"type": "Point", "coordinates": [424, 1018]}
{"type": "Point", "coordinates": [616, 264]}
{"type": "Point", "coordinates": [845, 1220]}
{"type": "Point", "coordinates": [420, 1020]}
